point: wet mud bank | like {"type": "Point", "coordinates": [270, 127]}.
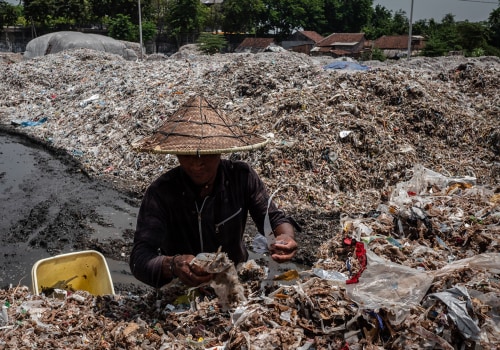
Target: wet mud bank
{"type": "Point", "coordinates": [49, 206]}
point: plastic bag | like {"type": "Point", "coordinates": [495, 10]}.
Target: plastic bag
{"type": "Point", "coordinates": [459, 307]}
{"type": "Point", "coordinates": [421, 181]}
{"type": "Point", "coordinates": [393, 287]}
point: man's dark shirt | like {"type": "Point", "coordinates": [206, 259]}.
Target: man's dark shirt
{"type": "Point", "coordinates": [168, 223]}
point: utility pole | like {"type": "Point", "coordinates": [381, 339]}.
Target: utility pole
{"type": "Point", "coordinates": [140, 25]}
{"type": "Point", "coordinates": [409, 34]}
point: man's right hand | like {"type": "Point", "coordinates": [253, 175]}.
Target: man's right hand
{"type": "Point", "coordinates": [190, 275]}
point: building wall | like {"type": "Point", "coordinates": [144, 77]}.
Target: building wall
{"type": "Point", "coordinates": [15, 39]}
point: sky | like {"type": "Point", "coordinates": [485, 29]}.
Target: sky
{"type": "Point", "coordinates": [471, 10]}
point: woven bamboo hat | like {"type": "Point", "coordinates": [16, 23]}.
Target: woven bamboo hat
{"type": "Point", "coordinates": [198, 128]}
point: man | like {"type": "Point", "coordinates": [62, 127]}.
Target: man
{"type": "Point", "coordinates": [203, 204]}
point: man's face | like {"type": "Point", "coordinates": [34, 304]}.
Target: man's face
{"type": "Point", "coordinates": [201, 169]}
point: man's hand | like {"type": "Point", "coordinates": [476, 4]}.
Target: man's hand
{"type": "Point", "coordinates": [285, 246]}
{"type": "Point", "coordinates": [190, 275]}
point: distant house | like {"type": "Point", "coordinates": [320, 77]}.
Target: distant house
{"type": "Point", "coordinates": [396, 46]}
{"type": "Point", "coordinates": [302, 41]}
{"type": "Point", "coordinates": [341, 45]}
{"type": "Point", "coordinates": [255, 45]}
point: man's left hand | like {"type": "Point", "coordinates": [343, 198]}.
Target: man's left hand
{"type": "Point", "coordinates": [284, 248]}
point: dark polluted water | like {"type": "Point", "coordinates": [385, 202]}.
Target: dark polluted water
{"type": "Point", "coordinates": [48, 206]}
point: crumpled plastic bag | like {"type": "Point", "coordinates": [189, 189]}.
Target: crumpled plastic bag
{"type": "Point", "coordinates": [421, 181]}
{"type": "Point", "coordinates": [390, 286]}
{"type": "Point", "coordinates": [459, 306]}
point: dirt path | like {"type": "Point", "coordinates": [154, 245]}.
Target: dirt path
{"type": "Point", "coordinates": [49, 206]}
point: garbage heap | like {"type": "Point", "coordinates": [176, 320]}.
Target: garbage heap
{"type": "Point", "coordinates": [420, 272]}
{"type": "Point", "coordinates": [392, 172]}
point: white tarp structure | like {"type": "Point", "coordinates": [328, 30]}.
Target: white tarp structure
{"type": "Point", "coordinates": [60, 41]}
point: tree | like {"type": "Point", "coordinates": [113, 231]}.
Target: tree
{"type": "Point", "coordinates": [435, 47]}
{"type": "Point", "coordinates": [185, 19]}
{"type": "Point", "coordinates": [347, 16]}
{"type": "Point", "coordinates": [380, 23]}
{"type": "Point", "coordinates": [314, 18]}
{"type": "Point", "coordinates": [494, 28]}
{"type": "Point", "coordinates": [241, 16]}
{"type": "Point", "coordinates": [399, 24]}
{"type": "Point", "coordinates": [355, 14]}
{"type": "Point", "coordinates": [472, 36]}
{"type": "Point", "coordinates": [40, 11]}
{"type": "Point", "coordinates": [102, 9]}
{"type": "Point", "coordinates": [122, 28]}
{"type": "Point", "coordinates": [57, 14]}
{"type": "Point", "coordinates": [159, 10]}
{"type": "Point", "coordinates": [211, 43]}
{"type": "Point", "coordinates": [283, 17]}
{"type": "Point", "coordinates": [73, 11]}
{"type": "Point", "coordinates": [420, 27]}
{"type": "Point", "coordinates": [8, 14]}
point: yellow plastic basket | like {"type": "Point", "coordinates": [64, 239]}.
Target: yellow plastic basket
{"type": "Point", "coordinates": [85, 270]}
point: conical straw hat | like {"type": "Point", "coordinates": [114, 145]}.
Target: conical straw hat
{"type": "Point", "coordinates": [198, 128]}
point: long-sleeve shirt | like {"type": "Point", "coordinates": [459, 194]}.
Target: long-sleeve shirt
{"type": "Point", "coordinates": [173, 219]}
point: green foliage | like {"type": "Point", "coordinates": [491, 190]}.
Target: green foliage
{"type": "Point", "coordinates": [185, 18]}
{"type": "Point", "coordinates": [375, 54]}
{"type": "Point", "coordinates": [346, 16]}
{"type": "Point", "coordinates": [211, 43]}
{"type": "Point", "coordinates": [57, 14]}
{"type": "Point", "coordinates": [477, 52]}
{"type": "Point", "coordinates": [378, 55]}
{"type": "Point", "coordinates": [472, 36]}
{"type": "Point", "coordinates": [102, 9]}
{"type": "Point", "coordinates": [148, 30]}
{"type": "Point", "coordinates": [399, 24]}
{"type": "Point", "coordinates": [241, 16]}
{"type": "Point", "coordinates": [435, 47]}
{"type": "Point", "coordinates": [491, 51]}
{"type": "Point", "coordinates": [284, 17]}
{"type": "Point", "coordinates": [8, 14]}
{"type": "Point", "coordinates": [122, 28]}
{"type": "Point", "coordinates": [494, 28]}
{"type": "Point", "coordinates": [39, 11]}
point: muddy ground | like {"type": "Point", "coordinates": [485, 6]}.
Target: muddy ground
{"type": "Point", "coordinates": [49, 206]}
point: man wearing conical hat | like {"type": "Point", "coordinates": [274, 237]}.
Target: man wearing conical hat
{"type": "Point", "coordinates": [203, 204]}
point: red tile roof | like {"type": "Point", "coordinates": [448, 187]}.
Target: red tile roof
{"type": "Point", "coordinates": [396, 42]}
{"type": "Point", "coordinates": [312, 35]}
{"type": "Point", "coordinates": [334, 38]}
{"type": "Point", "coordinates": [258, 43]}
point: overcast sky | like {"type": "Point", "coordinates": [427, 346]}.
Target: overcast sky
{"type": "Point", "coordinates": [471, 10]}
